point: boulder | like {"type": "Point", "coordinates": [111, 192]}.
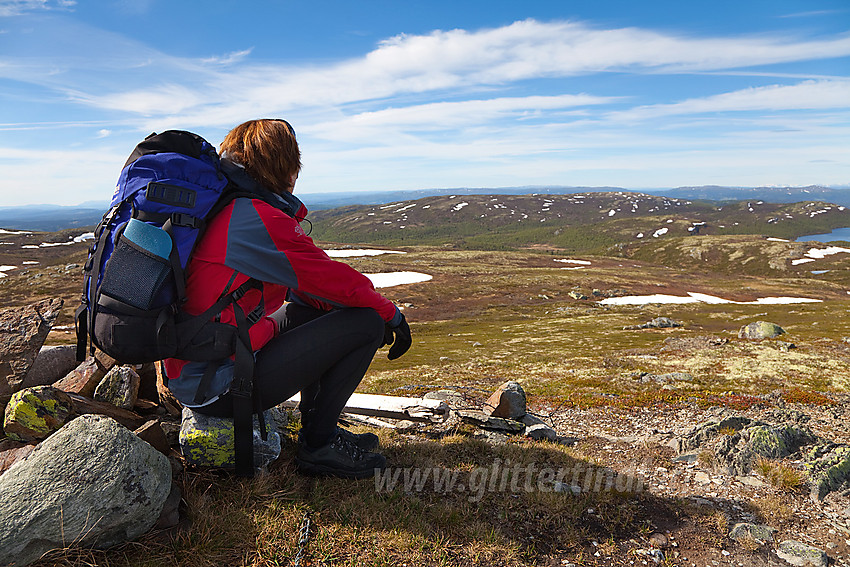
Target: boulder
{"type": "Point", "coordinates": [35, 413]}
{"type": "Point", "coordinates": [51, 364]}
{"type": "Point", "coordinates": [92, 482]}
{"type": "Point", "coordinates": [208, 441]}
{"type": "Point", "coordinates": [82, 380]}
{"type": "Point", "coordinates": [22, 332]}
{"type": "Point", "coordinates": [760, 330]}
{"type": "Point", "coordinates": [120, 387]}
{"type": "Point", "coordinates": [800, 554]}
{"type": "Point", "coordinates": [738, 440]}
{"type": "Point", "coordinates": [508, 401]}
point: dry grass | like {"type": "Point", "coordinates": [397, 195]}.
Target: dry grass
{"type": "Point", "coordinates": [513, 521]}
{"type": "Point", "coordinates": [780, 474]}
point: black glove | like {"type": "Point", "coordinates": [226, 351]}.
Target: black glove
{"type": "Point", "coordinates": [399, 337]}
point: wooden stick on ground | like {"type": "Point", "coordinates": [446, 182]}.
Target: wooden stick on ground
{"type": "Point", "coordinates": [414, 409]}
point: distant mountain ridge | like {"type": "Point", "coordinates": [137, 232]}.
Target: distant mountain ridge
{"type": "Point", "coordinates": [51, 218]}
{"type": "Point", "coordinates": [588, 222]}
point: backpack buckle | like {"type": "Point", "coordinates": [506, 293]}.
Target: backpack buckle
{"type": "Point", "coordinates": [182, 219]}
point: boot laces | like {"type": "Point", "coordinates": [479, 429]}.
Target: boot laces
{"type": "Point", "coordinates": [348, 446]}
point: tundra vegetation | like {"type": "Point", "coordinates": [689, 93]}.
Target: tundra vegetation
{"type": "Point", "coordinates": [501, 307]}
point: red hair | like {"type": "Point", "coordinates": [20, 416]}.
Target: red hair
{"type": "Point", "coordinates": [268, 150]}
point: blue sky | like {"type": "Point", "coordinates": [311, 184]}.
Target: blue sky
{"type": "Point", "coordinates": [392, 95]}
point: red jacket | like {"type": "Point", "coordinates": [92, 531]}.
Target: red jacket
{"type": "Point", "coordinates": [254, 239]}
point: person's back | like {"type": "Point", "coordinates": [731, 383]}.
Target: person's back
{"type": "Point", "coordinates": [320, 342]}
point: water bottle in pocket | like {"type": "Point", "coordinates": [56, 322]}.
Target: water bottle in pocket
{"type": "Point", "coordinates": [139, 270]}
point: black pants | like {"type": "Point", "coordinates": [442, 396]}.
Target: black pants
{"type": "Point", "coordinates": [323, 355]}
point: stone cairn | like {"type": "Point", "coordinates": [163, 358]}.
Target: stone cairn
{"type": "Point", "coordinates": [87, 451]}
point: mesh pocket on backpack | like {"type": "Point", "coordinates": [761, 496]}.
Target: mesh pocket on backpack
{"type": "Point", "coordinates": [135, 276]}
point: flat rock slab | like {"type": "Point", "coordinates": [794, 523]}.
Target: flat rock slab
{"type": "Point", "coordinates": [83, 379]}
{"type": "Point", "coordinates": [491, 423]}
{"type": "Point", "coordinates": [22, 333]}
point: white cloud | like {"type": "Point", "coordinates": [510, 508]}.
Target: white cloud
{"type": "Point", "coordinates": [18, 7]}
{"type": "Point", "coordinates": [229, 58]}
{"type": "Point", "coordinates": [809, 95]}
{"type": "Point", "coordinates": [194, 92]}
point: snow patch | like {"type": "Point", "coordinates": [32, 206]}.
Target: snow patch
{"type": "Point", "coordinates": [363, 252]}
{"type": "Point", "coordinates": [660, 232]}
{"type": "Point", "coordinates": [391, 279]}
{"type": "Point", "coordinates": [459, 206]}
{"type": "Point", "coordinates": [693, 297]}
{"type": "Point", "coordinates": [570, 261]}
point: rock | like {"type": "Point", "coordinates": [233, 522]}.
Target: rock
{"type": "Point", "coordinates": [35, 413]}
{"type": "Point", "coordinates": [127, 418]}
{"type": "Point", "coordinates": [11, 452]}
{"type": "Point", "coordinates": [708, 431]}
{"type": "Point", "coordinates": [453, 399]}
{"type": "Point", "coordinates": [760, 330]}
{"type": "Point", "coordinates": [208, 441]}
{"type": "Point", "coordinates": [147, 381]}
{"type": "Point", "coordinates": [577, 295]}
{"type": "Point", "coordinates": [484, 421]}
{"type": "Point", "coordinates": [738, 451]}
{"type": "Point", "coordinates": [537, 429]}
{"type": "Point", "coordinates": [22, 332]}
{"type": "Point", "coordinates": [120, 387]}
{"type": "Point", "coordinates": [51, 364]}
{"type": "Point", "coordinates": [170, 515]}
{"type": "Point", "coordinates": [657, 323]}
{"type": "Point", "coordinates": [658, 540]}
{"type": "Point", "coordinates": [152, 433]}
{"type": "Point", "coordinates": [829, 471]}
{"type": "Point", "coordinates": [507, 401]}
{"type": "Point", "coordinates": [92, 483]}
{"type": "Point", "coordinates": [82, 380]}
{"type": "Point", "coordinates": [758, 532]}
{"type": "Point", "coordinates": [797, 553]}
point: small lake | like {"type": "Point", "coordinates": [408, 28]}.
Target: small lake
{"type": "Point", "coordinates": [837, 234]}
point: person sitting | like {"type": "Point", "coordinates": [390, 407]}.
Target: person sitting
{"type": "Point", "coordinates": [322, 321]}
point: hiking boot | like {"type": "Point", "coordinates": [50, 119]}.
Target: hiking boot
{"type": "Point", "coordinates": [340, 457]}
{"type": "Point", "coordinates": [364, 441]}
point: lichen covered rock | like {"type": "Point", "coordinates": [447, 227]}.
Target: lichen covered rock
{"type": "Point", "coordinates": [120, 387]}
{"type": "Point", "coordinates": [35, 413]}
{"type": "Point", "coordinates": [829, 470]}
{"type": "Point", "coordinates": [760, 330]}
{"type": "Point", "coordinates": [208, 441]}
{"type": "Point", "coordinates": [797, 553]}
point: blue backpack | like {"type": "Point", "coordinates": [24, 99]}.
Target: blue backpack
{"type": "Point", "coordinates": [134, 283]}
